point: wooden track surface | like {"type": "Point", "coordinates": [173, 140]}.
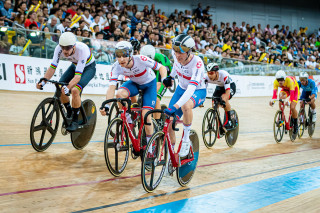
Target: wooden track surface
{"type": "Point", "coordinates": [63, 179]}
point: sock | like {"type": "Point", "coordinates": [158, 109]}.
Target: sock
{"type": "Point", "coordinates": [128, 116]}
{"type": "Point", "coordinates": [312, 110]}
{"type": "Point", "coordinates": [75, 114]}
{"type": "Point", "coordinates": [148, 139]}
{"type": "Point", "coordinates": [68, 108]}
{"type": "Point", "coordinates": [295, 121]}
{"type": "Point", "coordinates": [186, 131]}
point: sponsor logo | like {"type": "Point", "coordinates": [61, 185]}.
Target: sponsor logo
{"type": "Point", "coordinates": [199, 64]}
{"type": "Point", "coordinates": [20, 74]}
{"type": "Point", "coordinates": [143, 58]}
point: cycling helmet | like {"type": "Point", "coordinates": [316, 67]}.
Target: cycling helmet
{"type": "Point", "coordinates": [303, 76]}
{"type": "Point", "coordinates": [135, 44]}
{"type": "Point", "coordinates": [67, 39]}
{"type": "Point", "coordinates": [281, 75]}
{"type": "Point", "coordinates": [212, 67]}
{"type": "Point", "coordinates": [149, 51]}
{"type": "Point", "coordinates": [123, 49]}
{"type": "Point", "coordinates": [183, 43]}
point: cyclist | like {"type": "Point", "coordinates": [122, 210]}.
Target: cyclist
{"type": "Point", "coordinates": [225, 88]}
{"type": "Point", "coordinates": [309, 92]}
{"type": "Point", "coordinates": [139, 69]}
{"type": "Point", "coordinates": [78, 75]}
{"type": "Point", "coordinates": [290, 88]}
{"type": "Point", "coordinates": [150, 51]}
{"type": "Point", "coordinates": [191, 91]}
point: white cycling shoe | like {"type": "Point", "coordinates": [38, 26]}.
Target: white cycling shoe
{"type": "Point", "coordinates": [185, 148]}
{"type": "Point", "coordinates": [314, 117]}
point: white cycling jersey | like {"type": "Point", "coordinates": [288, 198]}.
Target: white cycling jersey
{"type": "Point", "coordinates": [141, 72]}
{"type": "Point", "coordinates": [81, 57]}
{"type": "Point", "coordinates": [192, 73]}
{"type": "Point", "coordinates": [224, 80]}
{"type": "Point", "coordinates": [191, 77]}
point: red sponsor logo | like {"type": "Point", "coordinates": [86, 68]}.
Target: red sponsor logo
{"type": "Point", "coordinates": [20, 74]}
{"type": "Point", "coordinates": [199, 64]}
{"type": "Point", "coordinates": [143, 58]}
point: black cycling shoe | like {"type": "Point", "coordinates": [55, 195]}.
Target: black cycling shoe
{"type": "Point", "coordinates": [229, 125]}
{"type": "Point", "coordinates": [73, 126]}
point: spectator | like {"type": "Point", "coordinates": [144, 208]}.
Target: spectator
{"type": "Point", "coordinates": [55, 13]}
{"type": "Point", "coordinates": [64, 25]}
{"type": "Point", "coordinates": [87, 18]}
{"type": "Point", "coordinates": [96, 22]}
{"type": "Point", "coordinates": [22, 8]}
{"type": "Point", "coordinates": [134, 21]}
{"type": "Point", "coordinates": [36, 40]}
{"type": "Point", "coordinates": [18, 44]}
{"type": "Point", "coordinates": [31, 20]}
{"type": "Point", "coordinates": [4, 44]}
{"type": "Point", "coordinates": [6, 12]}
{"type": "Point", "coordinates": [53, 25]}
{"type": "Point", "coordinates": [20, 19]}
{"type": "Point", "coordinates": [243, 27]}
{"type": "Point", "coordinates": [72, 9]}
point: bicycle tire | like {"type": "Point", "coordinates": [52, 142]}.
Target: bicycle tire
{"type": "Point", "coordinates": [211, 117]}
{"type": "Point", "coordinates": [45, 125]}
{"type": "Point", "coordinates": [311, 124]}
{"type": "Point", "coordinates": [174, 86]}
{"type": "Point", "coordinates": [232, 136]}
{"type": "Point", "coordinates": [301, 122]}
{"type": "Point", "coordinates": [280, 125]}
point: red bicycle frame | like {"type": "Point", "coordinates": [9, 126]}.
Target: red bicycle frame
{"type": "Point", "coordinates": [287, 123]}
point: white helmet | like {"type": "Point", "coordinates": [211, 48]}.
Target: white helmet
{"type": "Point", "coordinates": [212, 67]}
{"type": "Point", "coordinates": [149, 51]}
{"type": "Point", "coordinates": [67, 39]}
{"type": "Point", "coordinates": [124, 48]}
{"type": "Point", "coordinates": [303, 75]}
{"type": "Point", "coordinates": [281, 75]}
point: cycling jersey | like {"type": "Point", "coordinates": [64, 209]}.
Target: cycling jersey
{"type": "Point", "coordinates": [191, 77]}
{"type": "Point", "coordinates": [81, 58]}
{"type": "Point", "coordinates": [141, 73]}
{"type": "Point", "coordinates": [224, 80]}
{"type": "Point", "coordinates": [290, 87]}
{"type": "Point", "coordinates": [164, 60]}
{"type": "Point", "coordinates": [310, 87]}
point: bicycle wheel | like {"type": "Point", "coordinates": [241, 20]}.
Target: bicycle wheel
{"type": "Point", "coordinates": [47, 121]}
{"type": "Point", "coordinates": [301, 122]}
{"type": "Point", "coordinates": [232, 136]}
{"type": "Point", "coordinates": [209, 128]}
{"type": "Point", "coordinates": [186, 171]}
{"type": "Point", "coordinates": [81, 137]}
{"type": "Point", "coordinates": [278, 126]}
{"type": "Point", "coordinates": [311, 124]}
{"type": "Point", "coordinates": [291, 135]}
{"type": "Point", "coordinates": [116, 148]}
{"type": "Point", "coordinates": [154, 164]}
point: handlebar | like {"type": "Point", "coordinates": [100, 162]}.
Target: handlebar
{"type": "Point", "coordinates": [121, 100]}
{"type": "Point", "coordinates": [162, 112]}
{"type": "Point", "coordinates": [57, 84]}
{"type": "Point", "coordinates": [219, 101]}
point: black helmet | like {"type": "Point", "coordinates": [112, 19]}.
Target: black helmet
{"type": "Point", "coordinates": [135, 44]}
{"type": "Point", "coordinates": [183, 43]}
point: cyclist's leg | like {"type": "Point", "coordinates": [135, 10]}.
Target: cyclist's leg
{"type": "Point", "coordinates": [67, 77]}
{"type": "Point", "coordinates": [303, 96]}
{"type": "Point", "coordinates": [161, 90]}
{"type": "Point", "coordinates": [128, 89]}
{"type": "Point", "coordinates": [294, 112]}
{"type": "Point", "coordinates": [283, 95]}
{"type": "Point", "coordinates": [228, 123]}
{"type": "Point", "coordinates": [176, 96]}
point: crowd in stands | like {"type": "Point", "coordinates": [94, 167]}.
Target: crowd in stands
{"type": "Point", "coordinates": [114, 21]}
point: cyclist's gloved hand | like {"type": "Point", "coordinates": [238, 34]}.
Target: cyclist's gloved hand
{"type": "Point", "coordinates": [272, 101]}
{"type": "Point", "coordinates": [308, 100]}
{"type": "Point", "coordinates": [65, 90]}
{"type": "Point", "coordinates": [167, 82]}
{"type": "Point", "coordinates": [40, 84]}
{"type": "Point", "coordinates": [170, 111]}
{"type": "Point", "coordinates": [106, 108]}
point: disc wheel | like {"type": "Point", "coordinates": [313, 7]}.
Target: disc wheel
{"type": "Point", "coordinates": [186, 171]}
{"type": "Point", "coordinates": [209, 128]}
{"type": "Point", "coordinates": [81, 137]}
{"type": "Point", "coordinates": [232, 136]}
{"type": "Point", "coordinates": [278, 126]}
{"type": "Point", "coordinates": [154, 163]}
{"type": "Point", "coordinates": [116, 148]}
{"type": "Point", "coordinates": [44, 124]}
{"type": "Point", "coordinates": [311, 124]}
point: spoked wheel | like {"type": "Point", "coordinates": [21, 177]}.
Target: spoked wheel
{"type": "Point", "coordinates": [81, 137]}
{"type": "Point", "coordinates": [113, 112]}
{"type": "Point", "coordinates": [278, 126]}
{"type": "Point", "coordinates": [154, 164]}
{"type": "Point", "coordinates": [209, 128]}
{"type": "Point", "coordinates": [301, 122]}
{"type": "Point", "coordinates": [232, 136]}
{"type": "Point", "coordinates": [116, 148]}
{"type": "Point", "coordinates": [44, 126]}
{"type": "Point", "coordinates": [186, 171]}
{"type": "Point", "coordinates": [311, 124]}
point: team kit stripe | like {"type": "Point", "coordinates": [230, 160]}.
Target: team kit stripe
{"type": "Point", "coordinates": [78, 73]}
{"type": "Point", "coordinates": [155, 65]}
{"type": "Point", "coordinates": [53, 66]}
{"type": "Point", "coordinates": [193, 101]}
{"type": "Point", "coordinates": [193, 82]}
{"type": "Point", "coordinates": [113, 79]}
{"type": "Point", "coordinates": [79, 87]}
{"type": "Point", "coordinates": [147, 107]}
{"type": "Point", "coordinates": [125, 89]}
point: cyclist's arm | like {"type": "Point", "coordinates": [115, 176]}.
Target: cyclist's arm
{"type": "Point", "coordinates": [110, 92]}
{"type": "Point", "coordinates": [275, 89]}
{"type": "Point", "coordinates": [314, 89]}
{"type": "Point", "coordinates": [113, 82]}
{"type": "Point", "coordinates": [292, 86]}
{"type": "Point", "coordinates": [54, 64]}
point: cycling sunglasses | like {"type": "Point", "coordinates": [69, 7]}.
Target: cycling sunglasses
{"type": "Point", "coordinates": [67, 48]}
{"type": "Point", "coordinates": [180, 49]}
{"type": "Point", "coordinates": [211, 72]}
{"type": "Point", "coordinates": [122, 53]}
{"type": "Point", "coordinates": [280, 79]}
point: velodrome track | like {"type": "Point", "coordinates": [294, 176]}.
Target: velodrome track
{"type": "Point", "coordinates": [257, 174]}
